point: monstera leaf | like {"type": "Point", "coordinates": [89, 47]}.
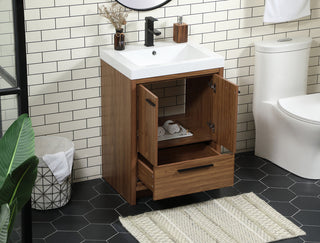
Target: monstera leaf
{"type": "Point", "coordinates": [4, 222]}
{"type": "Point", "coordinates": [18, 166]}
{"type": "Point", "coordinates": [17, 187]}
{"type": "Point", "coordinates": [16, 146]}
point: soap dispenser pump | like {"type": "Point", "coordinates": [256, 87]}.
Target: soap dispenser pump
{"type": "Point", "coordinates": [180, 31]}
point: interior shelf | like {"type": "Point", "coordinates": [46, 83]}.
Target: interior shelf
{"type": "Point", "coordinates": [199, 135]}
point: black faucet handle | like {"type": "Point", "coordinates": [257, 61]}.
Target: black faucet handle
{"type": "Point", "coordinates": [149, 18]}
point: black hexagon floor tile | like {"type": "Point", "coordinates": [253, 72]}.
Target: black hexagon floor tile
{"type": "Point", "coordinates": [223, 192]}
{"type": "Point", "coordinates": [97, 232]}
{"type": "Point", "coordinates": [312, 233]}
{"type": "Point", "coordinates": [103, 223]}
{"type": "Point", "coordinates": [38, 241]}
{"type": "Point", "coordinates": [305, 189]}
{"type": "Point", "coordinates": [236, 167]}
{"type": "Point", "coordinates": [123, 237]}
{"type": "Point", "coordinates": [250, 186]}
{"type": "Point", "coordinates": [249, 153]}
{"type": "Point", "coordinates": [273, 169]}
{"type": "Point", "coordinates": [84, 191]}
{"type": "Point", "coordinates": [130, 210]}
{"type": "Point", "coordinates": [278, 194]}
{"type": "Point", "coordinates": [235, 179]}
{"type": "Point", "coordinates": [104, 188]}
{"type": "Point", "coordinates": [76, 208]}
{"type": "Point", "coordinates": [119, 227]}
{"type": "Point", "coordinates": [277, 181]}
{"type": "Point", "coordinates": [14, 237]}
{"type": "Point", "coordinates": [41, 230]}
{"type": "Point", "coordinates": [285, 208]}
{"type": "Point", "coordinates": [142, 200]}
{"type": "Point", "coordinates": [107, 201]}
{"type": "Point", "coordinates": [249, 174]}
{"type": "Point", "coordinates": [103, 216]}
{"type": "Point", "coordinates": [178, 201]}
{"type": "Point", "coordinates": [307, 203]}
{"type": "Point", "coordinates": [37, 215]}
{"type": "Point", "coordinates": [70, 223]}
{"type": "Point", "coordinates": [93, 241]}
{"type": "Point", "coordinates": [263, 197]}
{"type": "Point", "coordinates": [17, 221]}
{"type": "Point", "coordinates": [310, 218]}
{"type": "Point", "coordinates": [249, 161]}
{"type": "Point", "coordinates": [70, 237]}
{"type": "Point", "coordinates": [293, 220]}
{"type": "Point", "coordinates": [301, 179]}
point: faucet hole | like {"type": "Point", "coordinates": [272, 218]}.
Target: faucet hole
{"type": "Point", "coordinates": [154, 53]}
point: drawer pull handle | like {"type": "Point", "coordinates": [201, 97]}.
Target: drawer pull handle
{"type": "Point", "coordinates": [195, 168]}
{"type": "Point", "coordinates": [150, 102]}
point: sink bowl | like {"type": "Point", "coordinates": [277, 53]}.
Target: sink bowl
{"type": "Point", "coordinates": [165, 58]}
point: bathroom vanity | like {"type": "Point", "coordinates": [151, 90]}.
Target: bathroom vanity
{"type": "Point", "coordinates": [134, 161]}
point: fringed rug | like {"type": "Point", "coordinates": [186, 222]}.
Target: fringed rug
{"type": "Point", "coordinates": [243, 218]}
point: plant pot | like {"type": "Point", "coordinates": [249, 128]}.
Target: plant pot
{"type": "Point", "coordinates": [119, 38]}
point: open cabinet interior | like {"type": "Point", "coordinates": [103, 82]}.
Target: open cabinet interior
{"type": "Point", "coordinates": [200, 116]}
{"type": "Point", "coordinates": [194, 163]}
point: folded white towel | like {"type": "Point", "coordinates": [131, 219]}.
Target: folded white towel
{"type": "Point", "coordinates": [171, 127]}
{"type": "Point", "coordinates": [161, 131]}
{"type": "Point", "coordinates": [277, 11]}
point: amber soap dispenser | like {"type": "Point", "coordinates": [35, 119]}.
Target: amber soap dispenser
{"type": "Point", "coordinates": [180, 31]}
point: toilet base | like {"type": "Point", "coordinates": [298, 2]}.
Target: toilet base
{"type": "Point", "coordinates": [289, 143]}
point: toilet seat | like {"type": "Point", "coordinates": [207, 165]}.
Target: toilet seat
{"type": "Point", "coordinates": [305, 107]}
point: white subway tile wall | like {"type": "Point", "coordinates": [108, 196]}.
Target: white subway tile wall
{"type": "Point", "coordinates": [63, 42]}
{"type": "Point", "coordinates": [9, 110]}
{"type": "Point", "coordinates": [8, 103]}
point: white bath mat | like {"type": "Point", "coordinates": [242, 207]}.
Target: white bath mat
{"type": "Point", "coordinates": [242, 218]}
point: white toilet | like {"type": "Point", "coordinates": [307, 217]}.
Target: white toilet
{"type": "Point", "coordinates": [287, 120]}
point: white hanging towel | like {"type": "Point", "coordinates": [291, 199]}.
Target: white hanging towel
{"type": "Point", "coordinates": [277, 11]}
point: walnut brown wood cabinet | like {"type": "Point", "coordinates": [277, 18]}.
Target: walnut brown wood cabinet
{"type": "Point", "coordinates": [134, 161]}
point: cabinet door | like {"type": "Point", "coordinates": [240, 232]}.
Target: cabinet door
{"type": "Point", "coordinates": [148, 124]}
{"type": "Point", "coordinates": [225, 110]}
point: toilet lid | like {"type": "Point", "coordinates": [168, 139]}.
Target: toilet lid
{"type": "Point", "coordinates": [304, 107]}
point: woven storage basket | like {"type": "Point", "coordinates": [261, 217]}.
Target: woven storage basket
{"type": "Point", "coordinates": [47, 193]}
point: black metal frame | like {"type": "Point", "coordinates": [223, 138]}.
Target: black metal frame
{"type": "Point", "coordinates": [20, 88]}
{"type": "Point", "coordinates": [20, 55]}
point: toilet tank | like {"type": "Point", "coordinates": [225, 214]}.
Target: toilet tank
{"type": "Point", "coordinates": [281, 68]}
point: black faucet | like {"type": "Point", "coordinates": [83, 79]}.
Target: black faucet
{"type": "Point", "coordinates": [150, 31]}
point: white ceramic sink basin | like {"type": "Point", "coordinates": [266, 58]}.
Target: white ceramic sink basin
{"type": "Point", "coordinates": [165, 58]}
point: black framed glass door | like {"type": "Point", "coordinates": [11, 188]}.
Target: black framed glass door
{"type": "Point", "coordinates": [13, 88]}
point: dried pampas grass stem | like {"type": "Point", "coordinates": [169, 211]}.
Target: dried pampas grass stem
{"type": "Point", "coordinates": [116, 14]}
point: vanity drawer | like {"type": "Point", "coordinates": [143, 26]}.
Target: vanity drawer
{"type": "Point", "coordinates": [205, 169]}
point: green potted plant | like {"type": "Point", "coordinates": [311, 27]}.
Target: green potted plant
{"type": "Point", "coordinates": [18, 171]}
